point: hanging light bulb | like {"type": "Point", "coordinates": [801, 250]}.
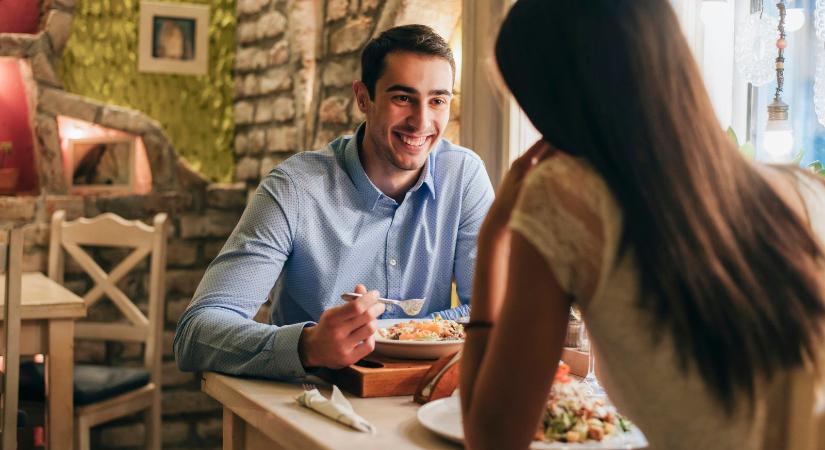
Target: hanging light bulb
{"type": "Point", "coordinates": [795, 17]}
{"type": "Point", "coordinates": [795, 20]}
{"type": "Point", "coordinates": [714, 10]}
{"type": "Point", "coordinates": [778, 133]}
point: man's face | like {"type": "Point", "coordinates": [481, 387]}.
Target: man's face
{"type": "Point", "coordinates": [410, 110]}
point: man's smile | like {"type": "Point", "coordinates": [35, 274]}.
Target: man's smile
{"type": "Point", "coordinates": [413, 142]}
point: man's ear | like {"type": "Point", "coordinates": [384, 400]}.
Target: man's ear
{"type": "Point", "coordinates": [362, 95]}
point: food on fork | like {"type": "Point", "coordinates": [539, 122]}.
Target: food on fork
{"type": "Point", "coordinates": [437, 329]}
{"type": "Point", "coordinates": [574, 415]}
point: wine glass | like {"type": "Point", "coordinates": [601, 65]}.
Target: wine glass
{"type": "Point", "coordinates": [586, 345]}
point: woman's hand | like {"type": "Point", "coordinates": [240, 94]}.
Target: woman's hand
{"type": "Point", "coordinates": [508, 190]}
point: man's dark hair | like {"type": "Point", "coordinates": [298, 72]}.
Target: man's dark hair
{"type": "Point", "coordinates": [419, 39]}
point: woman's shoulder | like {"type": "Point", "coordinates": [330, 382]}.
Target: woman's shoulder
{"type": "Point", "coordinates": [572, 178]}
{"type": "Point", "coordinates": [564, 165]}
{"type": "Point", "coordinates": [801, 190]}
{"type": "Point", "coordinates": [567, 213]}
{"type": "Point", "coordinates": [812, 191]}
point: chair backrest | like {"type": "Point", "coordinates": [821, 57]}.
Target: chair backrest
{"type": "Point", "coordinates": [11, 262]}
{"type": "Point", "coordinates": [111, 230]}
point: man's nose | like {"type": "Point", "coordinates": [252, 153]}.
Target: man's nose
{"type": "Point", "coordinates": [419, 117]}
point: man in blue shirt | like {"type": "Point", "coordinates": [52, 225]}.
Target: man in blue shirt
{"type": "Point", "coordinates": [394, 207]}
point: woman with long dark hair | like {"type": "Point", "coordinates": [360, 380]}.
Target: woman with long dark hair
{"type": "Point", "coordinates": [700, 275]}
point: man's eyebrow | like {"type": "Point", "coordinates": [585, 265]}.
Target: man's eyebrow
{"type": "Point", "coordinates": [412, 90]}
{"type": "Point", "coordinates": [402, 88]}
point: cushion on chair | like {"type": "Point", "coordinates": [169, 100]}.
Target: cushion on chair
{"type": "Point", "coordinates": [92, 383]}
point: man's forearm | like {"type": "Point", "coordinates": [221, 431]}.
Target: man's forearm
{"type": "Point", "coordinates": [218, 339]}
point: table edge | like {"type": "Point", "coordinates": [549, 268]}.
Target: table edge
{"type": "Point", "coordinates": [214, 384]}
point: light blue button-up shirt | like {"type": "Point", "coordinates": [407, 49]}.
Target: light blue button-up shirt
{"type": "Point", "coordinates": [319, 226]}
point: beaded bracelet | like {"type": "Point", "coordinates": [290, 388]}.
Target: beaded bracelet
{"type": "Point", "coordinates": [478, 324]}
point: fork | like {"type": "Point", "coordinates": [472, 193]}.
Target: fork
{"type": "Point", "coordinates": [308, 386]}
{"type": "Point", "coordinates": [410, 307]}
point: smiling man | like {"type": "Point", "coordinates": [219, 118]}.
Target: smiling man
{"type": "Point", "coordinates": [395, 208]}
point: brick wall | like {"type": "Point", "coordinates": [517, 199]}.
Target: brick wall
{"type": "Point", "coordinates": [295, 62]}
{"type": "Point", "coordinates": [201, 218]}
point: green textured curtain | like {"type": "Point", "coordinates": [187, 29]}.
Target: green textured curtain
{"type": "Point", "coordinates": [100, 62]}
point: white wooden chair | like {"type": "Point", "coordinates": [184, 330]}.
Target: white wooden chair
{"type": "Point", "coordinates": [110, 230]}
{"type": "Point", "coordinates": [11, 261]}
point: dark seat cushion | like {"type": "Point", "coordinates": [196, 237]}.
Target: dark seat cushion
{"type": "Point", "coordinates": [92, 383]}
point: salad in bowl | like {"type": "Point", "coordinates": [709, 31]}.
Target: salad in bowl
{"type": "Point", "coordinates": [437, 329]}
{"type": "Point", "coordinates": [418, 338]}
{"type": "Point", "coordinates": [572, 414]}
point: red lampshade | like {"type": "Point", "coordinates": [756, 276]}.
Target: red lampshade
{"type": "Point", "coordinates": [19, 16]}
{"type": "Point", "coordinates": [15, 127]}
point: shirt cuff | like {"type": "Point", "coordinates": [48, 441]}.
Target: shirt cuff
{"type": "Point", "coordinates": [286, 359]}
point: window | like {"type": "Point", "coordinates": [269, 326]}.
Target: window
{"type": "Point", "coordinates": [739, 104]}
{"type": "Point", "coordinates": [798, 92]}
{"type": "Point", "coordinates": [493, 125]}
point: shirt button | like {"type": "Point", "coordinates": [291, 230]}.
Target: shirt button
{"type": "Point", "coordinates": [393, 261]}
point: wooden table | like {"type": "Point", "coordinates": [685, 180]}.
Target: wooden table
{"type": "Point", "coordinates": [260, 414]}
{"type": "Point", "coordinates": [48, 312]}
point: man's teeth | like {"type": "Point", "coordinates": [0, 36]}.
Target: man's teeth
{"type": "Point", "coordinates": [413, 141]}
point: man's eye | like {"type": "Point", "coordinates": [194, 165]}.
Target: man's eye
{"type": "Point", "coordinates": [402, 98]}
{"type": "Point", "coordinates": [439, 101]}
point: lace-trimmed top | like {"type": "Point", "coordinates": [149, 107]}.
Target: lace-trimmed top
{"type": "Point", "coordinates": [568, 214]}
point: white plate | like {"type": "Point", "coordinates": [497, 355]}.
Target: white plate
{"type": "Point", "coordinates": [443, 417]}
{"type": "Point", "coordinates": [413, 349]}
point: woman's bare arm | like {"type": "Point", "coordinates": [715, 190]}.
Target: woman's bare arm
{"type": "Point", "coordinates": [492, 262]}
{"type": "Point", "coordinates": [507, 371]}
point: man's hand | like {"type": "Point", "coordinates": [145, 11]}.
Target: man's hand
{"type": "Point", "coordinates": [344, 334]}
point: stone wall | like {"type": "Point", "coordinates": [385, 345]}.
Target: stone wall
{"type": "Point", "coordinates": [101, 61]}
{"type": "Point", "coordinates": [201, 217]}
{"type": "Point", "coordinates": [295, 62]}
{"type": "Point", "coordinates": [191, 419]}
{"type": "Point", "coordinates": [295, 65]}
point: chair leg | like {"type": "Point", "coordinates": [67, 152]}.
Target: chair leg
{"type": "Point", "coordinates": [81, 434]}
{"type": "Point", "coordinates": [152, 420]}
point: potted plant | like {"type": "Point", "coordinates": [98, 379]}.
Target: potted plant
{"type": "Point", "coordinates": [8, 175]}
{"type": "Point", "coordinates": [817, 167]}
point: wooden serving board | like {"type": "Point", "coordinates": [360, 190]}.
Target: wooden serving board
{"type": "Point", "coordinates": [379, 376]}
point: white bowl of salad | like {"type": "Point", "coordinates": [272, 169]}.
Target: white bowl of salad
{"type": "Point", "coordinates": [418, 338]}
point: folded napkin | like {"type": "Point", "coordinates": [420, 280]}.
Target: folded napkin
{"type": "Point", "coordinates": [337, 408]}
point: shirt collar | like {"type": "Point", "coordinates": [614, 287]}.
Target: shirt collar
{"type": "Point", "coordinates": [369, 192]}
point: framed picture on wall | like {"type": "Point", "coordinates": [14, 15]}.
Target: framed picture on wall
{"type": "Point", "coordinates": [102, 164]}
{"type": "Point", "coordinates": [173, 38]}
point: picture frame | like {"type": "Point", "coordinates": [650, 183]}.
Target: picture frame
{"type": "Point", "coordinates": [173, 38]}
{"type": "Point", "coordinates": [102, 164]}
